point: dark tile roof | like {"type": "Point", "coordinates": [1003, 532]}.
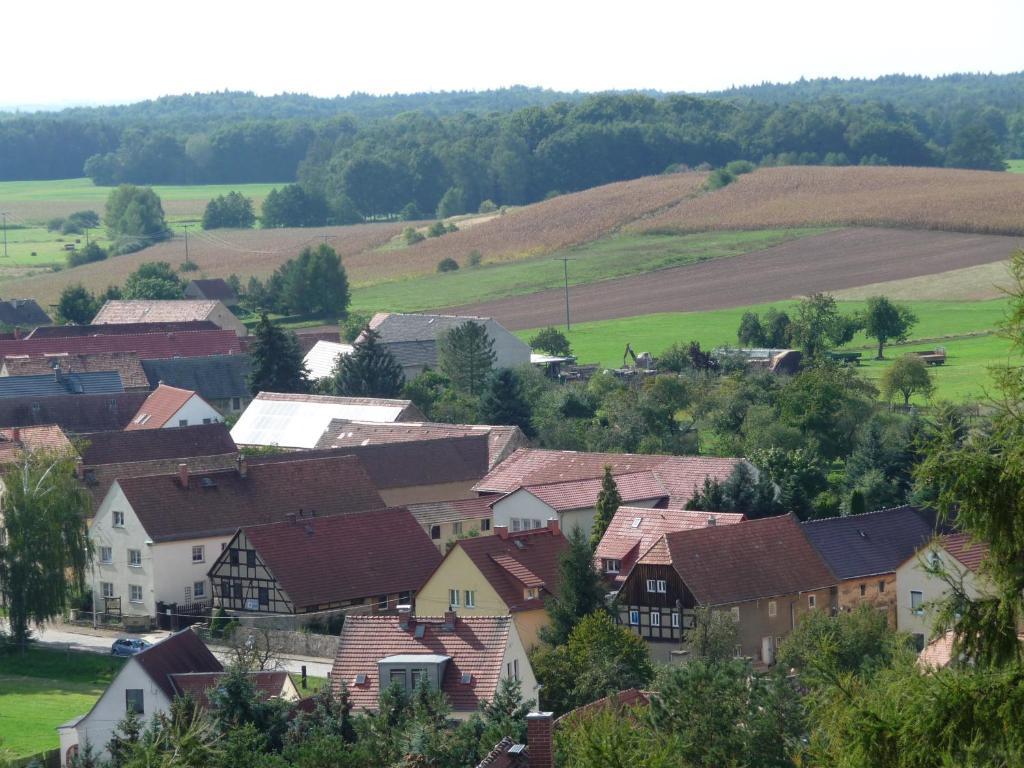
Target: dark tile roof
{"type": "Point", "coordinates": [476, 645]}
{"type": "Point", "coordinates": [747, 561]}
{"type": "Point", "coordinates": [123, 329]}
{"type": "Point", "coordinates": [181, 652]}
{"type": "Point", "coordinates": [147, 345]}
{"type": "Point", "coordinates": [268, 684]}
{"type": "Point", "coordinates": [215, 377]}
{"type": "Point", "coordinates": [219, 503]}
{"type": "Point", "coordinates": [73, 413]}
{"type": "Point", "coordinates": [150, 444]}
{"type": "Point", "coordinates": [126, 364]}
{"type": "Point", "coordinates": [517, 561]}
{"type": "Point", "coordinates": [22, 312]}
{"type": "Point", "coordinates": [322, 560]}
{"type": "Point", "coordinates": [210, 288]}
{"type": "Point", "coordinates": [99, 477]}
{"type": "Point", "coordinates": [55, 384]}
{"type": "Point", "coordinates": [868, 544]}
{"type": "Point", "coordinates": [397, 327]}
{"type": "Point", "coordinates": [308, 339]}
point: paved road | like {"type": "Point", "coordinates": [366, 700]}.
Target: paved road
{"type": "Point", "coordinates": [85, 640]}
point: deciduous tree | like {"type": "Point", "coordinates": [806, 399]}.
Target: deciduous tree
{"type": "Point", "coordinates": [135, 218]}
{"type": "Point", "coordinates": [885, 322]}
{"type": "Point", "coordinates": [154, 280]}
{"type": "Point", "coordinates": [907, 376]}
{"type": "Point", "coordinates": [76, 306]}
{"type": "Point", "coordinates": [552, 341]}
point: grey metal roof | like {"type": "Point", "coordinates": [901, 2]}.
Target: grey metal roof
{"type": "Point", "coordinates": [216, 377]}
{"type": "Point", "coordinates": [47, 385]}
{"type": "Point", "coordinates": [869, 544]}
{"type": "Point", "coordinates": [22, 312]}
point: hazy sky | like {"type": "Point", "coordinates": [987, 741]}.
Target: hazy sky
{"type": "Point", "coordinates": [114, 51]}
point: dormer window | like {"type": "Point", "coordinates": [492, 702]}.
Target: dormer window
{"type": "Point", "coordinates": [610, 565]}
{"type": "Point", "coordinates": [531, 593]}
{"type": "Point", "coordinates": [410, 670]}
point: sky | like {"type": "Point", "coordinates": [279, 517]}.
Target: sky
{"type": "Point", "coordinates": [56, 52]}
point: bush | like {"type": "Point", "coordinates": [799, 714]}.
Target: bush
{"type": "Point", "coordinates": [92, 252]}
{"type": "Point", "coordinates": [331, 626]}
{"type": "Point", "coordinates": [233, 210]}
{"type": "Point", "coordinates": [719, 178]}
{"type": "Point", "coordinates": [188, 266]}
{"type": "Point", "coordinates": [410, 213]}
{"type": "Point", "coordinates": [55, 224]}
{"type": "Point", "coordinates": [474, 259]}
{"type": "Point", "coordinates": [437, 229]}
{"type": "Point", "coordinates": [353, 325]}
{"type": "Point", "coordinates": [487, 206]}
{"type": "Point", "coordinates": [739, 167]}
{"type": "Point", "coordinates": [447, 265]}
{"type": "Point", "coordinates": [412, 236]}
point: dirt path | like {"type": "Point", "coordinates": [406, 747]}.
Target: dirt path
{"type": "Point", "coordinates": [829, 262]}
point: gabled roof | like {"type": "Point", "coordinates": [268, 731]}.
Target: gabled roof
{"type": "Point", "coordinates": [126, 364]}
{"type": "Point", "coordinates": [268, 684]}
{"type": "Point", "coordinates": [219, 503]}
{"type": "Point", "coordinates": [968, 552]}
{"type": "Point", "coordinates": [870, 544]}
{"type": "Point", "coordinates": [98, 478]}
{"type": "Point", "coordinates": [582, 494]}
{"type": "Point", "coordinates": [298, 421]}
{"type": "Point", "coordinates": [14, 441]}
{"type": "Point", "coordinates": [181, 652]}
{"type": "Point", "coordinates": [323, 357]}
{"type": "Point", "coordinates": [434, 512]}
{"type": "Point", "coordinates": [340, 433]}
{"type": "Point", "coordinates": [506, 754]}
{"type": "Point", "coordinates": [22, 312]}
{"type": "Point", "coordinates": [55, 384]}
{"type": "Point", "coordinates": [121, 329]}
{"type": "Point", "coordinates": [535, 466]}
{"type": "Point", "coordinates": [73, 413]}
{"type": "Point", "coordinates": [747, 561]}
{"type": "Point", "coordinates": [214, 288]}
{"type": "Point", "coordinates": [150, 444]}
{"type": "Point", "coordinates": [116, 311]}
{"type": "Point", "coordinates": [147, 345]}
{"type": "Point", "coordinates": [475, 644]}
{"type": "Point", "coordinates": [214, 377]}
{"type": "Point", "coordinates": [323, 560]}
{"type": "Point", "coordinates": [518, 561]}
{"type": "Point", "coordinates": [634, 530]}
{"type": "Point", "coordinates": [160, 407]}
{"type": "Point", "coordinates": [397, 327]}
{"type": "Point", "coordinates": [630, 697]}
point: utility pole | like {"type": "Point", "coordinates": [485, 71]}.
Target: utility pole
{"type": "Point", "coordinates": [86, 237]}
{"type": "Point", "coordinates": [565, 269]}
{"type": "Point", "coordinates": [4, 214]}
{"type": "Point", "coordinates": [185, 227]}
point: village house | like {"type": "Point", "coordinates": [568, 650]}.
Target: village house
{"type": "Point", "coordinates": [465, 657]}
{"type": "Point", "coordinates": [122, 329]}
{"type": "Point", "coordinates": [212, 289]}
{"type": "Point", "coordinates": [319, 565]}
{"type": "Point", "coordinates": [154, 537]}
{"type": "Point", "coordinates": [148, 684]}
{"type": "Point", "coordinates": [763, 572]}
{"type": "Point", "coordinates": [502, 441]}
{"type": "Point", "coordinates": [146, 345]}
{"type": "Point", "coordinates": [447, 521]}
{"type": "Point", "coordinates": [864, 551]}
{"type": "Point", "coordinates": [15, 440]}
{"type": "Point", "coordinates": [634, 530]}
{"type": "Point", "coordinates": [170, 407]}
{"type": "Point", "coordinates": [22, 313]}
{"type": "Point", "coordinates": [919, 588]}
{"type": "Point", "coordinates": [412, 339]}
{"type": "Point", "coordinates": [221, 380]}
{"type": "Point", "coordinates": [74, 414]}
{"type": "Point", "coordinates": [118, 311]}
{"type": "Point", "coordinates": [298, 421]}
{"type": "Point", "coordinates": [57, 383]}
{"type": "Point", "coordinates": [127, 365]}
{"type": "Point", "coordinates": [507, 573]}
{"type": "Point", "coordinates": [322, 359]}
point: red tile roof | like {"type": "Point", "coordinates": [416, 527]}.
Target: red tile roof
{"type": "Point", "coordinates": [48, 437]}
{"type": "Point", "coordinates": [268, 684]}
{"type": "Point", "coordinates": [147, 345]}
{"type": "Point", "coordinates": [747, 561]}
{"type": "Point", "coordinates": [967, 551]}
{"type": "Point", "coordinates": [323, 560]}
{"type": "Point", "coordinates": [151, 444]}
{"type": "Point", "coordinates": [520, 560]}
{"type": "Point", "coordinates": [181, 652]}
{"type": "Point", "coordinates": [506, 754]}
{"type": "Point", "coordinates": [126, 364]}
{"type": "Point", "coordinates": [476, 645]}
{"type": "Point", "coordinates": [631, 697]}
{"type": "Point", "coordinates": [533, 466]}
{"type": "Point", "coordinates": [582, 494]}
{"type": "Point", "coordinates": [160, 406]}
{"type": "Point", "coordinates": [219, 503]}
{"type": "Point", "coordinates": [626, 540]}
{"type": "Point", "coordinates": [122, 329]}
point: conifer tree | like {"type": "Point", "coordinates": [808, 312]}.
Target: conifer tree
{"type": "Point", "coordinates": [466, 356]}
{"type": "Point", "coordinates": [370, 371]}
{"type": "Point", "coordinates": [504, 402]}
{"type": "Point", "coordinates": [608, 502]}
{"type": "Point", "coordinates": [580, 593]}
{"type": "Point", "coordinates": [277, 364]}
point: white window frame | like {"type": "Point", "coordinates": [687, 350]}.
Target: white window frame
{"type": "Point", "coordinates": [675, 620]}
{"type": "Point", "coordinates": [515, 524]}
{"type": "Point", "coordinates": [182, 422]}
{"type": "Point", "coordinates": [773, 609]}
{"type": "Point", "coordinates": [662, 586]}
{"type": "Point", "coordinates": [199, 590]}
{"type": "Point", "coordinates": [634, 617]}
{"type": "Point", "coordinates": [118, 519]}
{"type": "Point", "coordinates": [655, 618]}
{"type": "Point", "coordinates": [611, 565]}
{"type": "Point", "coordinates": [652, 585]}
{"type": "Point", "coordinates": [919, 610]}
{"type": "Point", "coordinates": [106, 555]}
{"type": "Point", "coordinates": [812, 601]}
{"type": "Point", "coordinates": [201, 550]}
{"type": "Point", "coordinates": [453, 598]}
{"type": "Point", "coordinates": [106, 589]}
{"type": "Point", "coordinates": [134, 558]}
{"type": "Point", "coordinates": [457, 527]}
{"type": "Point", "coordinates": [469, 598]}
{"type": "Point", "coordinates": [131, 593]}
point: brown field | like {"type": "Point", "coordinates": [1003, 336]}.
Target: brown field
{"type": "Point", "coordinates": [828, 262]}
{"type": "Point", "coordinates": [913, 198]}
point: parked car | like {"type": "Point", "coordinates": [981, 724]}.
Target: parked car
{"type": "Point", "coordinates": [128, 646]}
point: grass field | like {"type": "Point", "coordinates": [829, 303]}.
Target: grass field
{"type": "Point", "coordinates": [616, 256]}
{"type": "Point", "coordinates": [41, 689]}
{"type": "Point", "coordinates": [1015, 166]}
{"type": "Point", "coordinates": [963, 328]}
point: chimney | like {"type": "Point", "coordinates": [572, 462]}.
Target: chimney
{"type": "Point", "coordinates": [243, 466]}
{"type": "Point", "coordinates": [501, 531]}
{"type": "Point", "coordinates": [539, 726]}
{"type": "Point", "coordinates": [80, 468]}
{"type": "Point", "coordinates": [449, 620]}
{"type": "Point", "coordinates": [553, 525]}
{"type": "Point", "coordinates": [17, 332]}
{"type": "Point", "coordinates": [712, 521]}
{"type": "Point", "coordinates": [291, 517]}
{"type": "Point", "coordinates": [183, 475]}
{"type": "Point", "coordinates": [16, 435]}
{"type": "Point", "coordinates": [404, 616]}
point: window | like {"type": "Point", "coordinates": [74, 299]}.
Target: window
{"type": "Point", "coordinates": [457, 527]}
{"type": "Point", "coordinates": [225, 588]}
{"type": "Point", "coordinates": [881, 586]}
{"type": "Point", "coordinates": [652, 585]}
{"type": "Point", "coordinates": [135, 593]}
{"type": "Point", "coordinates": [662, 586]}
{"type": "Point", "coordinates": [199, 554]}
{"type": "Point", "coordinates": [655, 619]}
{"type": "Point", "coordinates": [634, 617]}
{"type": "Point", "coordinates": [233, 557]}
{"type": "Point", "coordinates": [515, 668]}
{"type": "Point", "coordinates": [916, 603]}
{"type": "Point", "coordinates": [397, 676]}
{"type": "Point", "coordinates": [106, 554]}
{"type": "Point", "coordinates": [106, 589]}
{"type": "Point", "coordinates": [236, 590]}
{"type": "Point", "coordinates": [485, 524]}
{"type": "Point", "coordinates": [470, 596]}
{"type": "Point", "coordinates": [182, 422]}
{"type": "Point", "coordinates": [675, 620]}
{"type": "Point", "coordinates": [417, 675]}
{"type": "Point", "coordinates": [250, 558]}
{"type": "Point", "coordinates": [435, 532]}
{"type": "Point", "coordinates": [404, 598]}
{"type": "Point", "coordinates": [863, 589]}
{"type": "Point", "coordinates": [199, 589]}
{"type": "Point", "coordinates": [133, 701]}
{"type": "Point", "coordinates": [135, 558]}
{"type": "Point", "coordinates": [236, 403]}
{"type": "Point", "coordinates": [382, 602]}
{"type": "Point", "coordinates": [508, 669]}
{"type": "Point", "coordinates": [453, 598]}
{"type": "Point", "coordinates": [264, 596]}
{"type": "Point", "coordinates": [207, 421]}
{"type": "Point", "coordinates": [118, 519]}
{"type": "Point", "coordinates": [773, 609]}
{"type": "Point", "coordinates": [735, 611]}
{"type": "Point", "coordinates": [611, 566]}
{"type": "Point", "coordinates": [812, 601]}
{"type": "Point", "coordinates": [532, 593]}
{"type": "Point", "coordinates": [515, 524]}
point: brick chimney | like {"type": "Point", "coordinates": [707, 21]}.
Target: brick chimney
{"type": "Point", "coordinates": [449, 620]}
{"type": "Point", "coordinates": [243, 466]}
{"type": "Point", "coordinates": [16, 435]}
{"type": "Point", "coordinates": [553, 525]}
{"type": "Point", "coordinates": [539, 726]}
{"type": "Point", "coordinates": [17, 332]}
{"type": "Point", "coordinates": [183, 475]}
{"type": "Point", "coordinates": [405, 620]}
{"type": "Point", "coordinates": [501, 531]}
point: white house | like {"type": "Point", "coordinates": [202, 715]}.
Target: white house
{"type": "Point", "coordinates": [323, 357]}
{"type": "Point", "coordinates": [918, 590]}
{"type": "Point", "coordinates": [169, 407]}
{"type": "Point", "coordinates": [154, 538]}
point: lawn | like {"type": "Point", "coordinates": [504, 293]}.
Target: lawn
{"type": "Point", "coordinates": [963, 328]}
{"type": "Point", "coordinates": [313, 685]}
{"type": "Point", "coordinates": [616, 256]}
{"type": "Point", "coordinates": [84, 192]}
{"type": "Point", "coordinates": [43, 688]}
{"type": "Point", "coordinates": [1015, 166]}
